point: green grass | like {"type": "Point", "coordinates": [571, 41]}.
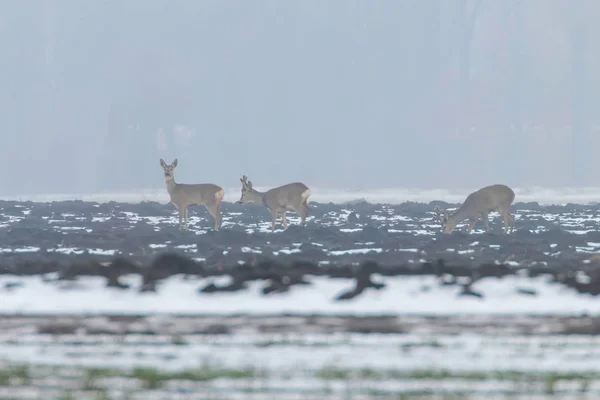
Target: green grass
{"type": "Point", "coordinates": [548, 379]}
{"type": "Point", "coordinates": [178, 340]}
{"type": "Point", "coordinates": [291, 343]}
{"type": "Point", "coordinates": [425, 344]}
{"type": "Point", "coordinates": [149, 378]}
{"type": "Point", "coordinates": [92, 375]}
{"type": "Point", "coordinates": [153, 379]}
{"type": "Point", "coordinates": [18, 374]}
{"type": "Point", "coordinates": [96, 381]}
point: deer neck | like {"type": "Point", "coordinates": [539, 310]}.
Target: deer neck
{"type": "Point", "coordinates": [460, 214]}
{"type": "Point", "coordinates": [170, 184]}
{"type": "Point", "coordinates": [258, 197]}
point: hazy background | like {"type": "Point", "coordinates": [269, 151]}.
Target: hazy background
{"type": "Point", "coordinates": [336, 93]}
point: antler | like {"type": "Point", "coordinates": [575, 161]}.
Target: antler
{"type": "Point", "coordinates": [244, 179]}
{"type": "Point", "coordinates": [438, 214]}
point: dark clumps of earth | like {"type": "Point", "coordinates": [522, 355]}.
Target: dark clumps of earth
{"type": "Point", "coordinates": [358, 240]}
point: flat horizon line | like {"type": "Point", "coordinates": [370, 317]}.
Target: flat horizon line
{"type": "Point", "coordinates": [389, 195]}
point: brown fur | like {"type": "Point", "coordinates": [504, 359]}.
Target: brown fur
{"type": "Point", "coordinates": [290, 197]}
{"type": "Point", "coordinates": [183, 195]}
{"type": "Point", "coordinates": [478, 205]}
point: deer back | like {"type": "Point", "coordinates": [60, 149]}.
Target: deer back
{"type": "Point", "coordinates": [287, 196]}
{"type": "Point", "coordinates": [199, 193]}
{"type": "Point", "coordinates": [489, 198]}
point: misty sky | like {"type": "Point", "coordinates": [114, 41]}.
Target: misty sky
{"type": "Point", "coordinates": [335, 93]}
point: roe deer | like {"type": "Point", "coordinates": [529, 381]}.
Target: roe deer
{"type": "Point", "coordinates": [184, 195]}
{"type": "Point", "coordinates": [279, 200]}
{"type": "Point", "coordinates": [479, 204]}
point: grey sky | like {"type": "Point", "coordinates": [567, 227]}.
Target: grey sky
{"type": "Point", "coordinates": [337, 93]}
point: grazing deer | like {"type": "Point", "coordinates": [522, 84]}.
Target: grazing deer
{"type": "Point", "coordinates": [279, 200]}
{"type": "Point", "coordinates": [479, 204]}
{"type": "Point", "coordinates": [184, 195]}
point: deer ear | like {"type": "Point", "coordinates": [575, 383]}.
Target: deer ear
{"type": "Point", "coordinates": [250, 185]}
{"type": "Point", "coordinates": [162, 163]}
{"type": "Point", "coordinates": [174, 163]}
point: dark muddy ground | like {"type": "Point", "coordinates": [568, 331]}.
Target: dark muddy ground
{"type": "Point", "coordinates": [76, 238]}
{"type": "Point", "coordinates": [300, 324]}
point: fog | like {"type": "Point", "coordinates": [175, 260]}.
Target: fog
{"type": "Point", "coordinates": [337, 93]}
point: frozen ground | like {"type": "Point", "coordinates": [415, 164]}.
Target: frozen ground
{"type": "Point", "coordinates": [58, 258]}
{"type": "Point", "coordinates": [425, 338]}
{"type": "Point", "coordinates": [300, 366]}
{"type": "Point", "coordinates": [403, 295]}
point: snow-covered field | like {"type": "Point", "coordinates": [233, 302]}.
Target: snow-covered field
{"type": "Point", "coordinates": [403, 295]}
{"type": "Point", "coordinates": [469, 351]}
{"type": "Point", "coordinates": [382, 233]}
{"type": "Point", "coordinates": [267, 366]}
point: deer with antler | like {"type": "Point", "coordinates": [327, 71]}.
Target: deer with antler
{"type": "Point", "coordinates": [478, 205]}
{"type": "Point", "coordinates": [183, 195]}
{"type": "Point", "coordinates": [279, 200]}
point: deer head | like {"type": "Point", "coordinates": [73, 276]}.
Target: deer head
{"type": "Point", "coordinates": [169, 169]}
{"type": "Point", "coordinates": [443, 217]}
{"type": "Point", "coordinates": [246, 190]}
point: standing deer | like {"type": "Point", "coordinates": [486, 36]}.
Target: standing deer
{"type": "Point", "coordinates": [279, 200]}
{"type": "Point", "coordinates": [479, 204]}
{"type": "Point", "coordinates": [184, 195]}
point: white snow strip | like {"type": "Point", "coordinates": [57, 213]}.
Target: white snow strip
{"type": "Point", "coordinates": [403, 295]}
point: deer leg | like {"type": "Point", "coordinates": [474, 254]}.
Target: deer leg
{"type": "Point", "coordinates": [178, 213]}
{"type": "Point", "coordinates": [486, 221]}
{"type": "Point", "coordinates": [209, 209]}
{"type": "Point", "coordinates": [185, 217]}
{"type": "Point", "coordinates": [284, 219]}
{"type": "Point", "coordinates": [274, 217]}
{"type": "Point", "coordinates": [507, 218]}
{"type": "Point", "coordinates": [509, 222]}
{"type": "Point", "coordinates": [305, 210]}
{"type": "Point", "coordinates": [218, 217]}
{"type": "Point", "coordinates": [302, 211]}
{"type": "Point", "coordinates": [213, 210]}
{"type": "Point", "coordinates": [472, 222]}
